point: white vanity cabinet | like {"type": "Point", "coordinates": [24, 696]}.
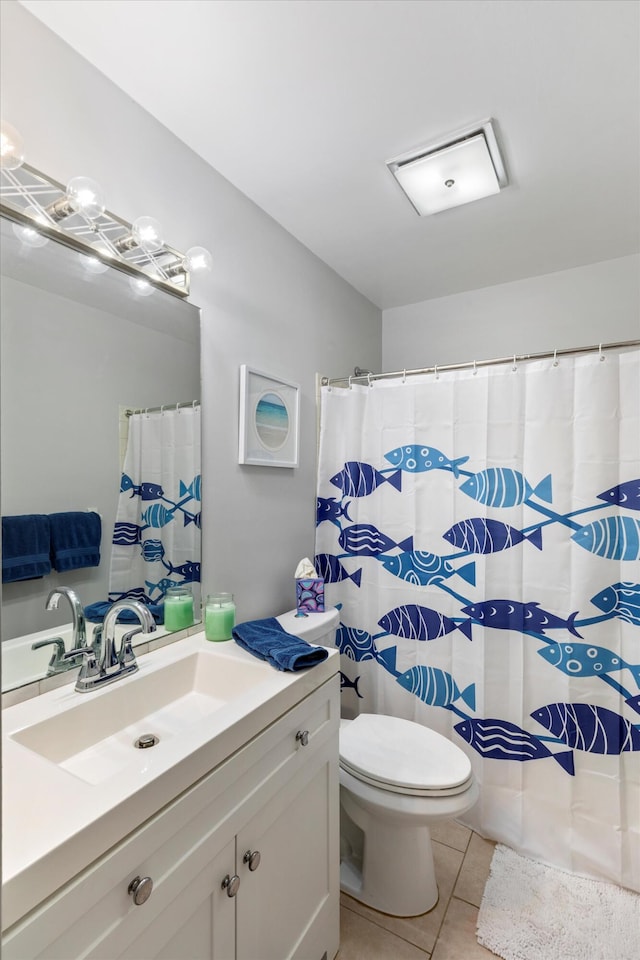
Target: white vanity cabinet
{"type": "Point", "coordinates": [265, 820]}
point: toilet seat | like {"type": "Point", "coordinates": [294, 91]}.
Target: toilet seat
{"type": "Point", "coordinates": [402, 757]}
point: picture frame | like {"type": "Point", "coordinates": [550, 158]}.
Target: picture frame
{"type": "Point", "coordinates": [269, 420]}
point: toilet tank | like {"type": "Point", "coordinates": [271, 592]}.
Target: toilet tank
{"type": "Point", "coordinates": [317, 628]}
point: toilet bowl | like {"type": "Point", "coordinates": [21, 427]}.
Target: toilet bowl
{"type": "Point", "coordinates": [396, 778]}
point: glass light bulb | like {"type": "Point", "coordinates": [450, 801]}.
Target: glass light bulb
{"type": "Point", "coordinates": [147, 233]}
{"type": "Point", "coordinates": [85, 197]}
{"type": "Point", "coordinates": [95, 264]}
{"type": "Point", "coordinates": [198, 260]}
{"type": "Point", "coordinates": [11, 148]}
{"type": "Point", "coordinates": [141, 288]}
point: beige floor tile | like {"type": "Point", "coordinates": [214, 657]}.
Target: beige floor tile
{"type": "Point", "coordinates": [423, 930]}
{"type": "Point", "coordinates": [452, 833]}
{"type": "Point", "coordinates": [360, 939]}
{"type": "Point", "coordinates": [475, 870]}
{"type": "Point", "coordinates": [457, 940]}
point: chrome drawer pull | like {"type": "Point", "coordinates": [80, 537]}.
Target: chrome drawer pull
{"type": "Point", "coordinates": [252, 858]}
{"type": "Point", "coordinates": [140, 889]}
{"type": "Point", "coordinates": [303, 737]}
{"type": "Point", "coordinates": [231, 884]}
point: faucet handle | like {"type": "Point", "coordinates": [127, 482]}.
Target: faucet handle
{"type": "Point", "coordinates": [57, 662]}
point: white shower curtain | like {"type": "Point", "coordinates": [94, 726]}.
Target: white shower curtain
{"type": "Point", "coordinates": [156, 540]}
{"type": "Point", "coordinates": [481, 534]}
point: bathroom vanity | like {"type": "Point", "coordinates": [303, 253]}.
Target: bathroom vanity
{"type": "Point", "coordinates": [220, 841]}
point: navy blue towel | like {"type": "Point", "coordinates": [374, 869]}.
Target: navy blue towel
{"type": "Point", "coordinates": [75, 540]}
{"type": "Point", "coordinates": [96, 612]}
{"type": "Point", "coordinates": [25, 547]}
{"type": "Point", "coordinates": [269, 641]}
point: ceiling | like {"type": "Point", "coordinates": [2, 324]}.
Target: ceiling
{"type": "Point", "coordinates": [299, 103]}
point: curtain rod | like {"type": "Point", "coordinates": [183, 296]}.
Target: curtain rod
{"type": "Point", "coordinates": [165, 406]}
{"type": "Point", "coordinates": [437, 368]}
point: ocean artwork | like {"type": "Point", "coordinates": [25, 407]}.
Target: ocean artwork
{"type": "Point", "coordinates": [621, 600]}
{"type": "Point", "coordinates": [365, 540]}
{"type": "Point", "coordinates": [422, 568]}
{"type": "Point", "coordinates": [586, 660]}
{"type": "Point", "coordinates": [503, 740]}
{"type": "Point", "coordinates": [157, 515]}
{"type": "Point", "coordinates": [413, 622]}
{"type": "Point", "coordinates": [358, 645]}
{"type": "Point", "coordinates": [152, 551]}
{"type": "Point", "coordinates": [329, 568]}
{"type": "Point", "coordinates": [503, 487]}
{"type": "Point", "coordinates": [146, 491]}
{"type": "Point", "coordinates": [521, 617]}
{"type": "Point", "coordinates": [480, 535]}
{"type": "Point", "coordinates": [272, 421]}
{"type": "Point", "coordinates": [436, 687]}
{"type": "Point", "coordinates": [624, 495]}
{"type": "Point", "coordinates": [584, 726]}
{"type": "Point", "coordinates": [417, 458]}
{"type": "Point", "coordinates": [347, 684]}
{"type": "Point", "coordinates": [358, 479]}
{"type": "Point", "coordinates": [613, 538]}
{"type": "Point", "coordinates": [193, 490]}
{"type": "Point", "coordinates": [328, 508]}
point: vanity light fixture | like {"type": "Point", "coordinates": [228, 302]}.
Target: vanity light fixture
{"type": "Point", "coordinates": [41, 208]}
{"type": "Point", "coordinates": [466, 166]}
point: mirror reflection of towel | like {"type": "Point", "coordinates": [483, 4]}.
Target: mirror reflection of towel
{"type": "Point", "coordinates": [25, 547]}
{"type": "Point", "coordinates": [75, 540]}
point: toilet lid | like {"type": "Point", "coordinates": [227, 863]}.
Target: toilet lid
{"type": "Point", "coordinates": [401, 754]}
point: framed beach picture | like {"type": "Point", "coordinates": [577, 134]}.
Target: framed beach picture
{"type": "Point", "coordinates": [269, 419]}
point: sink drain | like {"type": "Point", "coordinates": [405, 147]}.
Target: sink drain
{"type": "Point", "coordinates": [146, 740]}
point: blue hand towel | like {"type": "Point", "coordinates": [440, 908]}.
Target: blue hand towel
{"type": "Point", "coordinates": [96, 612]}
{"type": "Point", "coordinates": [25, 547]}
{"type": "Point", "coordinates": [268, 640]}
{"type": "Point", "coordinates": [75, 540]}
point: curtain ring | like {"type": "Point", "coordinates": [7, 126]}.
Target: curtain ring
{"type": "Point", "coordinates": [555, 357]}
{"type": "Point", "coordinates": [369, 380]}
{"type": "Point", "coordinates": [475, 369]}
{"type": "Point", "coordinates": [350, 387]}
{"type": "Point", "coordinates": [404, 375]}
{"type": "Point", "coordinates": [600, 352]}
{"type": "Point", "coordinates": [515, 365]}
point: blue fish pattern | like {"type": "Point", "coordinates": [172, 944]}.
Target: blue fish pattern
{"type": "Point", "coordinates": [503, 487]}
{"type": "Point", "coordinates": [126, 534]}
{"type": "Point", "coordinates": [162, 585]}
{"type": "Point", "coordinates": [358, 479]}
{"type": "Point", "coordinates": [332, 571]}
{"type": "Point", "coordinates": [413, 622]}
{"type": "Point", "coordinates": [584, 726]}
{"type": "Point", "coordinates": [147, 491]}
{"type": "Point", "coordinates": [436, 687]}
{"type": "Point", "coordinates": [193, 518]}
{"type": "Point", "coordinates": [479, 535]}
{"type": "Point", "coordinates": [157, 515]}
{"type": "Point", "coordinates": [521, 617]}
{"type": "Point", "coordinates": [152, 551]}
{"type": "Point", "coordinates": [624, 495]}
{"type": "Point", "coordinates": [418, 458]}
{"type": "Point", "coordinates": [347, 684]}
{"type": "Point", "coordinates": [586, 660]}
{"type": "Point", "coordinates": [358, 645]}
{"type": "Point", "coordinates": [422, 568]}
{"type": "Point", "coordinates": [613, 538]}
{"type": "Point", "coordinates": [365, 540]}
{"type": "Point", "coordinates": [193, 490]}
{"type": "Point", "coordinates": [189, 571]}
{"type": "Point", "coordinates": [328, 508]}
{"type": "Point", "coordinates": [622, 600]}
{"type": "Point", "coordinates": [502, 740]}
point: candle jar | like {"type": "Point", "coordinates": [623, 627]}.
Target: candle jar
{"type": "Point", "coordinates": [219, 616]}
{"type": "Point", "coordinates": [178, 608]}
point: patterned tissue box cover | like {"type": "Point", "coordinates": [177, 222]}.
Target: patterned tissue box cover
{"type": "Point", "coordinates": [310, 596]}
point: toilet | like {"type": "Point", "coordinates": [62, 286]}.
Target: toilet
{"type": "Point", "coordinates": [396, 778]}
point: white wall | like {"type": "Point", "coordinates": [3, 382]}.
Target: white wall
{"type": "Point", "coordinates": [597, 303]}
{"type": "Point", "coordinates": [268, 302]}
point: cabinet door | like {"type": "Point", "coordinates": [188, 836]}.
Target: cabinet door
{"type": "Point", "coordinates": [289, 906]}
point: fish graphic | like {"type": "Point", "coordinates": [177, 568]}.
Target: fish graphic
{"type": "Point", "coordinates": [346, 684]}
{"type": "Point", "coordinates": [416, 458]}
{"type": "Point", "coordinates": [584, 726]}
{"type": "Point", "coordinates": [422, 568]}
{"type": "Point", "coordinates": [420, 623]}
{"type": "Point", "coordinates": [365, 540]}
{"type": "Point", "coordinates": [126, 534]}
{"type": "Point", "coordinates": [586, 660]}
{"type": "Point", "coordinates": [523, 617]}
{"type": "Point", "coordinates": [148, 491]}
{"type": "Point", "coordinates": [193, 490]}
{"type": "Point", "coordinates": [328, 508]}
{"type": "Point", "coordinates": [331, 570]}
{"type": "Point", "coordinates": [620, 599]}
{"type": "Point", "coordinates": [162, 585]}
{"type": "Point", "coordinates": [503, 487]}
{"type": "Point", "coordinates": [436, 687]}
{"type": "Point", "coordinates": [502, 740]}
{"type": "Point", "coordinates": [152, 551]}
{"type": "Point", "coordinates": [479, 535]}
{"type": "Point", "coordinates": [358, 645]}
{"type": "Point", "coordinates": [193, 518]}
{"type": "Point", "coordinates": [157, 515]}
{"type": "Point", "coordinates": [360, 479]}
{"type": "Point", "coordinates": [189, 571]}
{"type": "Point", "coordinates": [624, 495]}
{"type": "Point", "coordinates": [614, 538]}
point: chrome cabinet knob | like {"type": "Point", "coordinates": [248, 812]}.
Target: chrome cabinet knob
{"type": "Point", "coordinates": [140, 889]}
{"type": "Point", "coordinates": [231, 884]}
{"type": "Point", "coordinates": [252, 858]}
{"type": "Point", "coordinates": [303, 737]}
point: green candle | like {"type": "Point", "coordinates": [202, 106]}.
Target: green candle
{"type": "Point", "coordinates": [178, 608]}
{"type": "Point", "coordinates": [219, 616]}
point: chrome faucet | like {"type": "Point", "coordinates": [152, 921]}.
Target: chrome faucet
{"type": "Point", "coordinates": [79, 638]}
{"type": "Point", "coordinates": [97, 671]}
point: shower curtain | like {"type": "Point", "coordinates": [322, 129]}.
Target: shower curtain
{"type": "Point", "coordinates": [480, 533]}
{"type": "Point", "coordinates": [156, 538]}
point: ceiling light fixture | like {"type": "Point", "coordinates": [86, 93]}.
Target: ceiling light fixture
{"type": "Point", "coordinates": [466, 166]}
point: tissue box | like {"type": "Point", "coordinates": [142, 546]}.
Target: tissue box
{"type": "Point", "coordinates": [310, 595]}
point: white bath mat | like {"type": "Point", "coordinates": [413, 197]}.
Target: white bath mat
{"type": "Point", "coordinates": [533, 912]}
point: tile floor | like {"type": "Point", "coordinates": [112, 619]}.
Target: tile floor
{"type": "Point", "coordinates": [448, 932]}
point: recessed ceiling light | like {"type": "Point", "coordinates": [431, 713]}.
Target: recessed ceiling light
{"type": "Point", "coordinates": [465, 167]}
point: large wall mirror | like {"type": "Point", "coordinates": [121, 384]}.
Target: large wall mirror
{"type": "Point", "coordinates": [78, 347]}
